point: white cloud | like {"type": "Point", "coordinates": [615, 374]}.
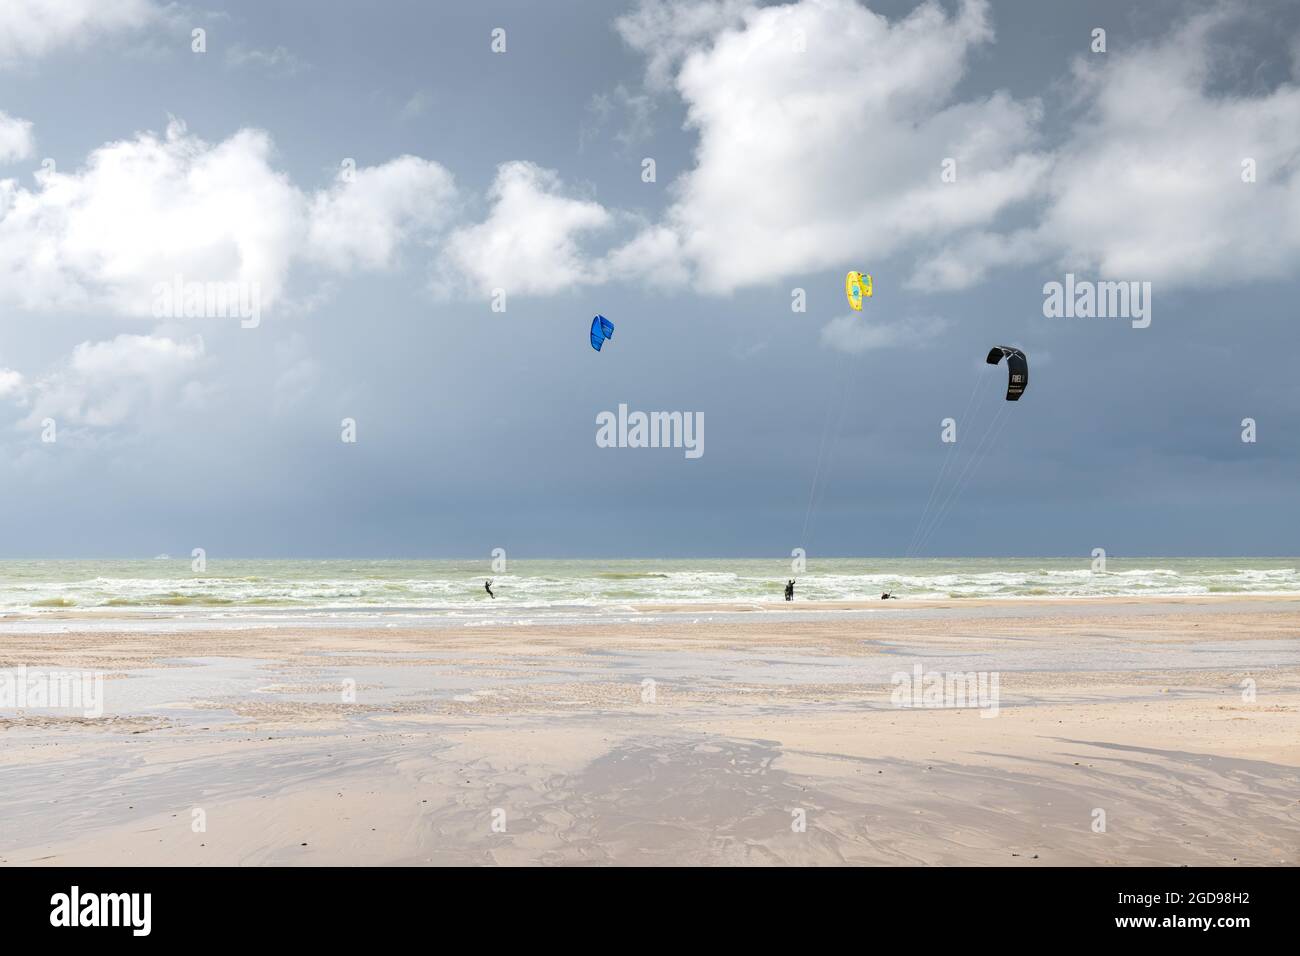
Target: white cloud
{"type": "Point", "coordinates": [654, 256]}
{"type": "Point", "coordinates": [822, 128]}
{"type": "Point", "coordinates": [666, 31]}
{"type": "Point", "coordinates": [365, 221]}
{"type": "Point", "coordinates": [1147, 185]}
{"type": "Point", "coordinates": [832, 156]}
{"type": "Point", "coordinates": [968, 260]}
{"type": "Point", "coordinates": [530, 241]}
{"type": "Point", "coordinates": [858, 332]}
{"type": "Point", "coordinates": [144, 210]}
{"type": "Point", "coordinates": [12, 384]}
{"type": "Point", "coordinates": [32, 28]}
{"type": "Point", "coordinates": [16, 140]}
{"type": "Point", "coordinates": [104, 384]}
{"type": "Point", "coordinates": [1165, 156]}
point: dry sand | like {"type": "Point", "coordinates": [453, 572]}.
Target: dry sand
{"type": "Point", "coordinates": [1123, 733]}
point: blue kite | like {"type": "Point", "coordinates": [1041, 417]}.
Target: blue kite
{"type": "Point", "coordinates": [601, 329]}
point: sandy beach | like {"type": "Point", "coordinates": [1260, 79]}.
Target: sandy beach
{"type": "Point", "coordinates": [1102, 732]}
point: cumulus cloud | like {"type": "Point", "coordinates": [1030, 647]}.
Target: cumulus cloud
{"type": "Point", "coordinates": [654, 256]}
{"type": "Point", "coordinates": [666, 31]}
{"type": "Point", "coordinates": [967, 260]}
{"type": "Point", "coordinates": [530, 241]}
{"type": "Point", "coordinates": [142, 211]}
{"type": "Point", "coordinates": [366, 216]}
{"type": "Point", "coordinates": [103, 384]}
{"type": "Point", "coordinates": [33, 28]}
{"type": "Point", "coordinates": [1148, 182]}
{"type": "Point", "coordinates": [1166, 154]}
{"type": "Point", "coordinates": [822, 130]}
{"type": "Point", "coordinates": [16, 140]}
{"type": "Point", "coordinates": [823, 125]}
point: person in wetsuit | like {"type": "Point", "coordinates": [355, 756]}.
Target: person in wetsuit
{"type": "Point", "coordinates": [487, 586]}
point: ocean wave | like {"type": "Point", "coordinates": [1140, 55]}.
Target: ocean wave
{"type": "Point", "coordinates": [169, 600]}
{"type": "Point", "coordinates": [455, 588]}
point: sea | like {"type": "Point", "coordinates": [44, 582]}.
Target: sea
{"type": "Point", "coordinates": [241, 592]}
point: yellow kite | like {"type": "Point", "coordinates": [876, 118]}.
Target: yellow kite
{"type": "Point", "coordinates": [856, 286]}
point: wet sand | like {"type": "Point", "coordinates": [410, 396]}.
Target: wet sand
{"type": "Point", "coordinates": [1122, 731]}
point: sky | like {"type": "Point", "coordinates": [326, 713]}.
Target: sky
{"type": "Point", "coordinates": [424, 205]}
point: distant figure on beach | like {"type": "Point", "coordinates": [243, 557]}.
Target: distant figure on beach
{"type": "Point", "coordinates": [887, 596]}
{"type": "Point", "coordinates": [487, 586]}
{"type": "Point", "coordinates": [789, 590]}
